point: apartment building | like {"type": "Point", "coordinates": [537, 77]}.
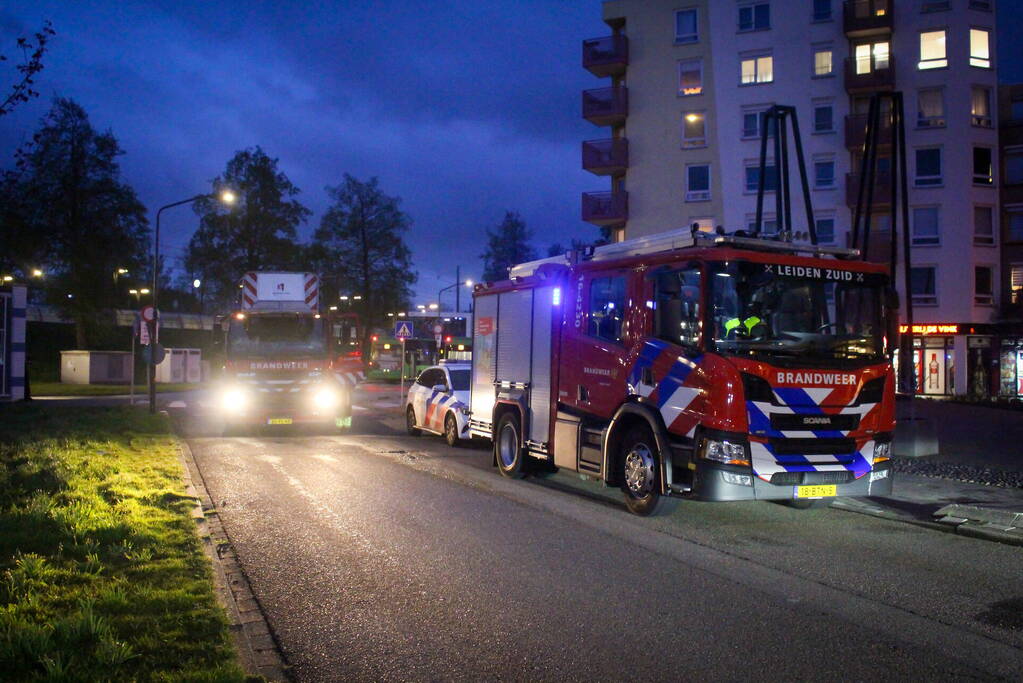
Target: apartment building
{"type": "Point", "coordinates": [691, 79]}
{"type": "Point", "coordinates": [1010, 142]}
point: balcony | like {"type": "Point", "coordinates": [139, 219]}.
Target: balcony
{"type": "Point", "coordinates": [606, 106]}
{"type": "Point", "coordinates": [856, 130]}
{"type": "Point", "coordinates": [868, 17]}
{"type": "Point", "coordinates": [882, 189]}
{"type": "Point", "coordinates": [605, 208]}
{"type": "Point", "coordinates": [607, 56]}
{"type": "Point", "coordinates": [606, 157]}
{"type": "Point", "coordinates": [875, 79]}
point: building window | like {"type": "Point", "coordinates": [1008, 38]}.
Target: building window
{"type": "Point", "coordinates": [983, 294]}
{"type": "Point", "coordinates": [607, 308]}
{"type": "Point", "coordinates": [926, 231]}
{"type": "Point", "coordinates": [822, 10]}
{"type": "Point", "coordinates": [752, 121]}
{"type": "Point", "coordinates": [983, 169]}
{"type": "Point", "coordinates": [698, 183]}
{"type": "Point", "coordinates": [935, 5]}
{"type": "Point", "coordinates": [690, 77]}
{"type": "Point", "coordinates": [823, 118]}
{"type": "Point", "coordinates": [932, 50]}
{"type": "Point", "coordinates": [980, 52]}
{"type": "Point", "coordinates": [983, 225]}
{"type": "Point", "coordinates": [1016, 109]}
{"type": "Point", "coordinates": [686, 26]}
{"type": "Point", "coordinates": [769, 226]}
{"type": "Point", "coordinates": [823, 62]}
{"type": "Point", "coordinates": [757, 69]}
{"type": "Point", "coordinates": [871, 57]}
{"type": "Point", "coordinates": [755, 17]}
{"type": "Point", "coordinates": [922, 282]}
{"type": "Point", "coordinates": [753, 177]}
{"type": "Point", "coordinates": [703, 224]}
{"type": "Point", "coordinates": [984, 5]}
{"type": "Point", "coordinates": [694, 129]}
{"type": "Point", "coordinates": [1016, 282]}
{"type": "Point", "coordinates": [980, 106]}
{"type": "Point", "coordinates": [825, 230]}
{"type": "Point", "coordinates": [928, 167]}
{"type": "Point", "coordinates": [1014, 167]}
{"type": "Point", "coordinates": [824, 174]}
{"type": "Point", "coordinates": [930, 108]}
{"type": "Point", "coordinates": [1016, 226]}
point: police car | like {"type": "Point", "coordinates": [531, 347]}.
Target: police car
{"type": "Point", "coordinates": [438, 402]}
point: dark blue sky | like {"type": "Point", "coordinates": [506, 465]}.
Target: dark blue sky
{"type": "Point", "coordinates": [464, 108]}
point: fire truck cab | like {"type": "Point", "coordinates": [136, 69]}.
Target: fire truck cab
{"type": "Point", "coordinates": [690, 365]}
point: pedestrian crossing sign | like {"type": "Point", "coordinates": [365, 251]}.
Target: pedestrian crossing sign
{"type": "Point", "coordinates": [403, 330]}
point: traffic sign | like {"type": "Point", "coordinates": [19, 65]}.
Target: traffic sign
{"type": "Point", "coordinates": [148, 314]}
{"type": "Point", "coordinates": [153, 354]}
{"type": "Point", "coordinates": [438, 329]}
{"type": "Point", "coordinates": [143, 331]}
{"type": "Point", "coordinates": [403, 330]}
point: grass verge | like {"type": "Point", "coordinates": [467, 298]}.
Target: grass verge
{"type": "Point", "coordinates": [59, 389]}
{"type": "Point", "coordinates": [102, 576]}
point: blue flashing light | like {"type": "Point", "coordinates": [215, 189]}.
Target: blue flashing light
{"type": "Point", "coordinates": [556, 296]}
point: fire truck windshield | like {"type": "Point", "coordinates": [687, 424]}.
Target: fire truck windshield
{"type": "Point", "coordinates": [788, 314]}
{"type": "Point", "coordinates": [276, 336]}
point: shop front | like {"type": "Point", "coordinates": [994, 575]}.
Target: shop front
{"type": "Point", "coordinates": [1010, 375]}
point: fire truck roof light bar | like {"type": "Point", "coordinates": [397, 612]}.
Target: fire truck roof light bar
{"type": "Point", "coordinates": [682, 239]}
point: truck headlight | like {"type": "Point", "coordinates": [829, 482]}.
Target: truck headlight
{"type": "Point", "coordinates": [234, 399]}
{"type": "Point", "coordinates": [326, 398]}
{"type": "Point", "coordinates": [882, 451]}
{"type": "Point", "coordinates": [727, 452]}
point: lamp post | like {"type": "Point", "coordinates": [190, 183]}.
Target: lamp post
{"type": "Point", "coordinates": [458, 292]}
{"type": "Point", "coordinates": [227, 197]}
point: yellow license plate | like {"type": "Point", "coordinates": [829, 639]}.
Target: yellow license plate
{"type": "Point", "coordinates": [287, 421]}
{"type": "Point", "coordinates": [822, 491]}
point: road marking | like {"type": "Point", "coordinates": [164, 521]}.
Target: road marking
{"type": "Point", "coordinates": [177, 404]}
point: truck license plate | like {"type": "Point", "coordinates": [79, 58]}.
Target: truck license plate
{"type": "Point", "coordinates": [285, 421]}
{"type": "Point", "coordinates": [821, 491]}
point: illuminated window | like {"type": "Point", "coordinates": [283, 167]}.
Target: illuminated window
{"type": "Point", "coordinates": [758, 69]}
{"type": "Point", "coordinates": [983, 280]}
{"type": "Point", "coordinates": [686, 26]}
{"type": "Point", "coordinates": [930, 108]}
{"type": "Point", "coordinates": [923, 284]}
{"type": "Point", "coordinates": [983, 225]}
{"type": "Point", "coordinates": [932, 50]}
{"type": "Point", "coordinates": [980, 51]}
{"type": "Point", "coordinates": [694, 129]}
{"type": "Point", "coordinates": [822, 62]}
{"type": "Point", "coordinates": [690, 77]}
{"type": "Point", "coordinates": [698, 183]}
{"type": "Point", "coordinates": [871, 57]}
{"type": "Point", "coordinates": [928, 166]}
{"type": "Point", "coordinates": [980, 106]}
{"type": "Point", "coordinates": [755, 17]}
{"type": "Point", "coordinates": [1016, 282]}
{"type": "Point", "coordinates": [983, 168]}
{"type": "Point", "coordinates": [926, 230]}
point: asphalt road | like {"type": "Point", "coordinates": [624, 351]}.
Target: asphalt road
{"type": "Point", "coordinates": [381, 556]}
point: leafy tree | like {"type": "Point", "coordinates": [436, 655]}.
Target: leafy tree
{"type": "Point", "coordinates": [361, 250]}
{"type": "Point", "coordinates": [507, 246]}
{"type": "Point", "coordinates": [22, 90]}
{"type": "Point", "coordinates": [557, 250]}
{"type": "Point", "coordinates": [88, 223]}
{"type": "Point", "coordinates": [257, 232]}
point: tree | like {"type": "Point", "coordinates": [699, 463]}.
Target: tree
{"type": "Point", "coordinates": [69, 194]}
{"type": "Point", "coordinates": [258, 232]}
{"type": "Point", "coordinates": [507, 246]}
{"type": "Point", "coordinates": [22, 89]}
{"type": "Point", "coordinates": [361, 250]}
{"type": "Point", "coordinates": [557, 250]}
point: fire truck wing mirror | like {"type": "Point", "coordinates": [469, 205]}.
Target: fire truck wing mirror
{"type": "Point", "coordinates": [891, 298]}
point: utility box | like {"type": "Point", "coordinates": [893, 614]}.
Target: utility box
{"type": "Point", "coordinates": [180, 366]}
{"type": "Point", "coordinates": [95, 367]}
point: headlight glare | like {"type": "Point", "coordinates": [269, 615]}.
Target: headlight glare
{"type": "Point", "coordinates": [234, 399]}
{"type": "Point", "coordinates": [325, 398]}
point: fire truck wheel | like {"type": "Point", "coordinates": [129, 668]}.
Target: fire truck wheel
{"type": "Point", "coordinates": [410, 422]}
{"type": "Point", "coordinates": [508, 447]}
{"type": "Point", "coordinates": [451, 430]}
{"type": "Point", "coordinates": [639, 472]}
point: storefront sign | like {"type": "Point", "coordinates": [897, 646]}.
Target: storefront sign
{"type": "Point", "coordinates": [930, 328]}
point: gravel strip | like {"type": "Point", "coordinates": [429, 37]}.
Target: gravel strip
{"type": "Point", "coordinates": [957, 472]}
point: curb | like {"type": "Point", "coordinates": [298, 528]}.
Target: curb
{"type": "Point", "coordinates": [966, 520]}
{"type": "Point", "coordinates": [255, 643]}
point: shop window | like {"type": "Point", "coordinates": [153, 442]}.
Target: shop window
{"type": "Point", "coordinates": [932, 50]}
{"type": "Point", "coordinates": [1016, 283]}
{"type": "Point", "coordinates": [980, 106]}
{"type": "Point", "coordinates": [694, 129]}
{"type": "Point", "coordinates": [926, 227]}
{"type": "Point", "coordinates": [755, 17]}
{"type": "Point", "coordinates": [980, 52]}
{"type": "Point", "coordinates": [677, 302]}
{"type": "Point", "coordinates": [607, 308]}
{"type": "Point", "coordinates": [686, 26]}
{"type": "Point", "coordinates": [983, 294]}
{"type": "Point", "coordinates": [690, 77]}
{"type": "Point", "coordinates": [983, 169]}
{"type": "Point", "coordinates": [928, 167]}
{"type": "Point", "coordinates": [825, 230]}
{"type": "Point", "coordinates": [983, 225]}
{"type": "Point", "coordinates": [757, 69]}
{"type": "Point", "coordinates": [930, 111]}
{"type": "Point", "coordinates": [698, 183]}
{"type": "Point", "coordinates": [924, 285]}
{"type": "Point", "coordinates": [1014, 167]}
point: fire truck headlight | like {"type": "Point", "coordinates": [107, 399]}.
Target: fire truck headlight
{"type": "Point", "coordinates": [726, 452]}
{"type": "Point", "coordinates": [234, 399]}
{"type": "Point", "coordinates": [882, 451]}
{"type": "Point", "coordinates": [326, 398]}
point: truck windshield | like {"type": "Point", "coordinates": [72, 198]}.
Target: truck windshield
{"type": "Point", "coordinates": [276, 336]}
{"type": "Point", "coordinates": [789, 314]}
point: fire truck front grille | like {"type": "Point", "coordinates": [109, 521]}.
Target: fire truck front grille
{"type": "Point", "coordinates": [797, 478]}
{"type": "Point", "coordinates": [813, 446]}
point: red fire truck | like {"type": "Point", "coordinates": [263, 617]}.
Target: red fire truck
{"type": "Point", "coordinates": [286, 361]}
{"type": "Point", "coordinates": [692, 365]}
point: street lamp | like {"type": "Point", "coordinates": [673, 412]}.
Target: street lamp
{"type": "Point", "coordinates": [458, 298]}
{"type": "Point", "coordinates": [37, 272]}
{"type": "Point", "coordinates": [434, 307]}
